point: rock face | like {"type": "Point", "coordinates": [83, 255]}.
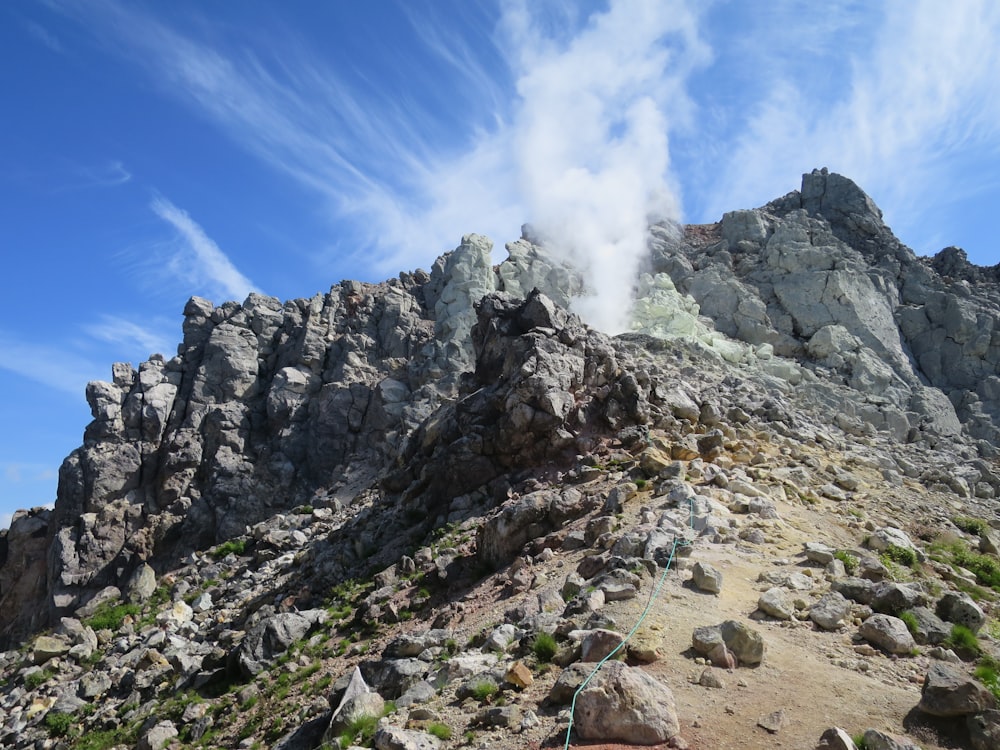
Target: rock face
{"type": "Point", "coordinates": [817, 276]}
{"type": "Point", "coordinates": [302, 477]}
{"type": "Point", "coordinates": [267, 405]}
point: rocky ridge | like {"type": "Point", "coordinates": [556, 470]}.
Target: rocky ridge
{"type": "Point", "coordinates": [449, 482]}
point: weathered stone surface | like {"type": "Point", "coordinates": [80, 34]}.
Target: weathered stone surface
{"type": "Point", "coordinates": [158, 736]}
{"type": "Point", "coordinates": [930, 629]}
{"type": "Point", "coordinates": [887, 632]}
{"type": "Point", "coordinates": [836, 738]}
{"type": "Point", "coordinates": [746, 644]}
{"type": "Point", "coordinates": [984, 730]}
{"type": "Point", "coordinates": [626, 704]}
{"type": "Point", "coordinates": [599, 643]}
{"type": "Point", "coordinates": [776, 602]}
{"type": "Point", "coordinates": [877, 740]}
{"type": "Point", "coordinates": [949, 691]}
{"type": "Point", "coordinates": [706, 578]}
{"type": "Point", "coordinates": [829, 612]}
{"type": "Point", "coordinates": [959, 607]}
{"type": "Point", "coordinates": [394, 738]}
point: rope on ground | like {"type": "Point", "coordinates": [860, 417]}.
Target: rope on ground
{"type": "Point", "coordinates": [678, 542]}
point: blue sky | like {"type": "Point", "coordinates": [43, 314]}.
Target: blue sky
{"type": "Point", "coordinates": [150, 151]}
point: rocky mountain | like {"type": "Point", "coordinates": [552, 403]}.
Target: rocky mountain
{"type": "Point", "coordinates": [446, 492]}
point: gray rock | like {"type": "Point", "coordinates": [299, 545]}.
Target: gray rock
{"type": "Point", "coordinates": [830, 611]}
{"type": "Point", "coordinates": [746, 644]}
{"type": "Point", "coordinates": [706, 577]}
{"type": "Point", "coordinates": [836, 738]}
{"type": "Point", "coordinates": [889, 633]}
{"type": "Point", "coordinates": [569, 682]}
{"type": "Point", "coordinates": [876, 740]}
{"type": "Point", "coordinates": [930, 629]}
{"type": "Point", "coordinates": [818, 552]}
{"type": "Point", "coordinates": [158, 736]}
{"type": "Point", "coordinates": [599, 643]}
{"type": "Point", "coordinates": [141, 585]}
{"type": "Point", "coordinates": [394, 738]}
{"type": "Point", "coordinates": [775, 602]}
{"type": "Point", "coordinates": [959, 608]}
{"type": "Point", "coordinates": [773, 722]}
{"type": "Point", "coordinates": [860, 590]}
{"type": "Point", "coordinates": [626, 704]}
{"type": "Point", "coordinates": [891, 598]}
{"type": "Point", "coordinates": [949, 691]}
{"type": "Point", "coordinates": [984, 730]}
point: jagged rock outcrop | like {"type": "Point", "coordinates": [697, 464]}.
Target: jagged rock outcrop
{"type": "Point", "coordinates": [425, 398]}
{"type": "Point", "coordinates": [265, 404]}
{"type": "Point", "coordinates": [816, 276]}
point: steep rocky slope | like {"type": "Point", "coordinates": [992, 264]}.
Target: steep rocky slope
{"type": "Point", "coordinates": [422, 477]}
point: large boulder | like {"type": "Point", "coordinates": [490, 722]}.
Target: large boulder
{"type": "Point", "coordinates": [949, 691]}
{"type": "Point", "coordinates": [625, 704]}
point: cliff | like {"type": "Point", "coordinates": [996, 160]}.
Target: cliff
{"type": "Point", "coordinates": [331, 439]}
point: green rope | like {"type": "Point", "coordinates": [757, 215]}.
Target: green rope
{"type": "Point", "coordinates": [620, 646]}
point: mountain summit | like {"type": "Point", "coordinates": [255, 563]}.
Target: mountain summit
{"type": "Point", "coordinates": [796, 438]}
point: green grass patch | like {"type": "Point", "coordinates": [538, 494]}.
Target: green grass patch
{"type": "Point", "coordinates": [544, 647]}
{"type": "Point", "coordinates": [910, 621]}
{"type": "Point", "coordinates": [485, 690]}
{"type": "Point", "coordinates": [850, 561]}
{"type": "Point", "coordinates": [360, 731]}
{"type": "Point", "coordinates": [988, 672]}
{"type": "Point", "coordinates": [963, 641]}
{"type": "Point", "coordinates": [37, 679]}
{"type": "Point", "coordinates": [974, 526]}
{"type": "Point", "coordinates": [111, 615]}
{"type": "Point", "coordinates": [900, 555]}
{"type": "Point", "coordinates": [439, 730]}
{"type": "Point", "coordinates": [58, 723]}
{"type": "Point", "coordinates": [233, 546]}
{"type": "Point", "coordinates": [985, 568]}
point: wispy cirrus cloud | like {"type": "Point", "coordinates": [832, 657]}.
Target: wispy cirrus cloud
{"type": "Point", "coordinates": [407, 176]}
{"type": "Point", "coordinates": [50, 365]}
{"type": "Point", "coordinates": [920, 94]}
{"type": "Point", "coordinates": [44, 36]}
{"type": "Point", "coordinates": [108, 175]}
{"type": "Point", "coordinates": [131, 336]}
{"type": "Point", "coordinates": [196, 259]}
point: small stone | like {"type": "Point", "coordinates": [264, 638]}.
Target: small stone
{"type": "Point", "coordinates": [519, 675]}
{"type": "Point", "coordinates": [710, 678]}
{"type": "Point", "coordinates": [774, 722]}
{"type": "Point", "coordinates": [706, 578]}
{"type": "Point", "coordinates": [776, 603]}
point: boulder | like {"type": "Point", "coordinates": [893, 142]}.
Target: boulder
{"type": "Point", "coordinates": [949, 691]}
{"type": "Point", "coordinates": [626, 704]}
{"type": "Point", "coordinates": [959, 608]}
{"type": "Point", "coordinates": [889, 633]}
{"type": "Point", "coordinates": [830, 611]}
{"type": "Point", "coordinates": [836, 738]}
{"type": "Point", "coordinates": [706, 578]}
{"type": "Point", "coordinates": [394, 738]}
{"type": "Point", "coordinates": [746, 644]}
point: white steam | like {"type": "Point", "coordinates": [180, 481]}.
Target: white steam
{"type": "Point", "coordinates": [591, 139]}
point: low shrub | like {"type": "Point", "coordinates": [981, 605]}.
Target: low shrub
{"type": "Point", "coordinates": [439, 730]}
{"type": "Point", "coordinates": [544, 647]}
{"type": "Point", "coordinates": [975, 526]}
{"type": "Point", "coordinates": [850, 561]}
{"type": "Point", "coordinates": [110, 615]}
{"type": "Point", "coordinates": [233, 546]}
{"type": "Point", "coordinates": [58, 723]}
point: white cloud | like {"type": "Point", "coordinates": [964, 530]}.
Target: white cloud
{"type": "Point", "coordinates": [43, 35]}
{"type": "Point", "coordinates": [131, 336]}
{"type": "Point", "coordinates": [922, 93]}
{"type": "Point", "coordinates": [51, 366]}
{"type": "Point", "coordinates": [109, 175]}
{"type": "Point", "coordinates": [591, 138]}
{"type": "Point", "coordinates": [198, 259]}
